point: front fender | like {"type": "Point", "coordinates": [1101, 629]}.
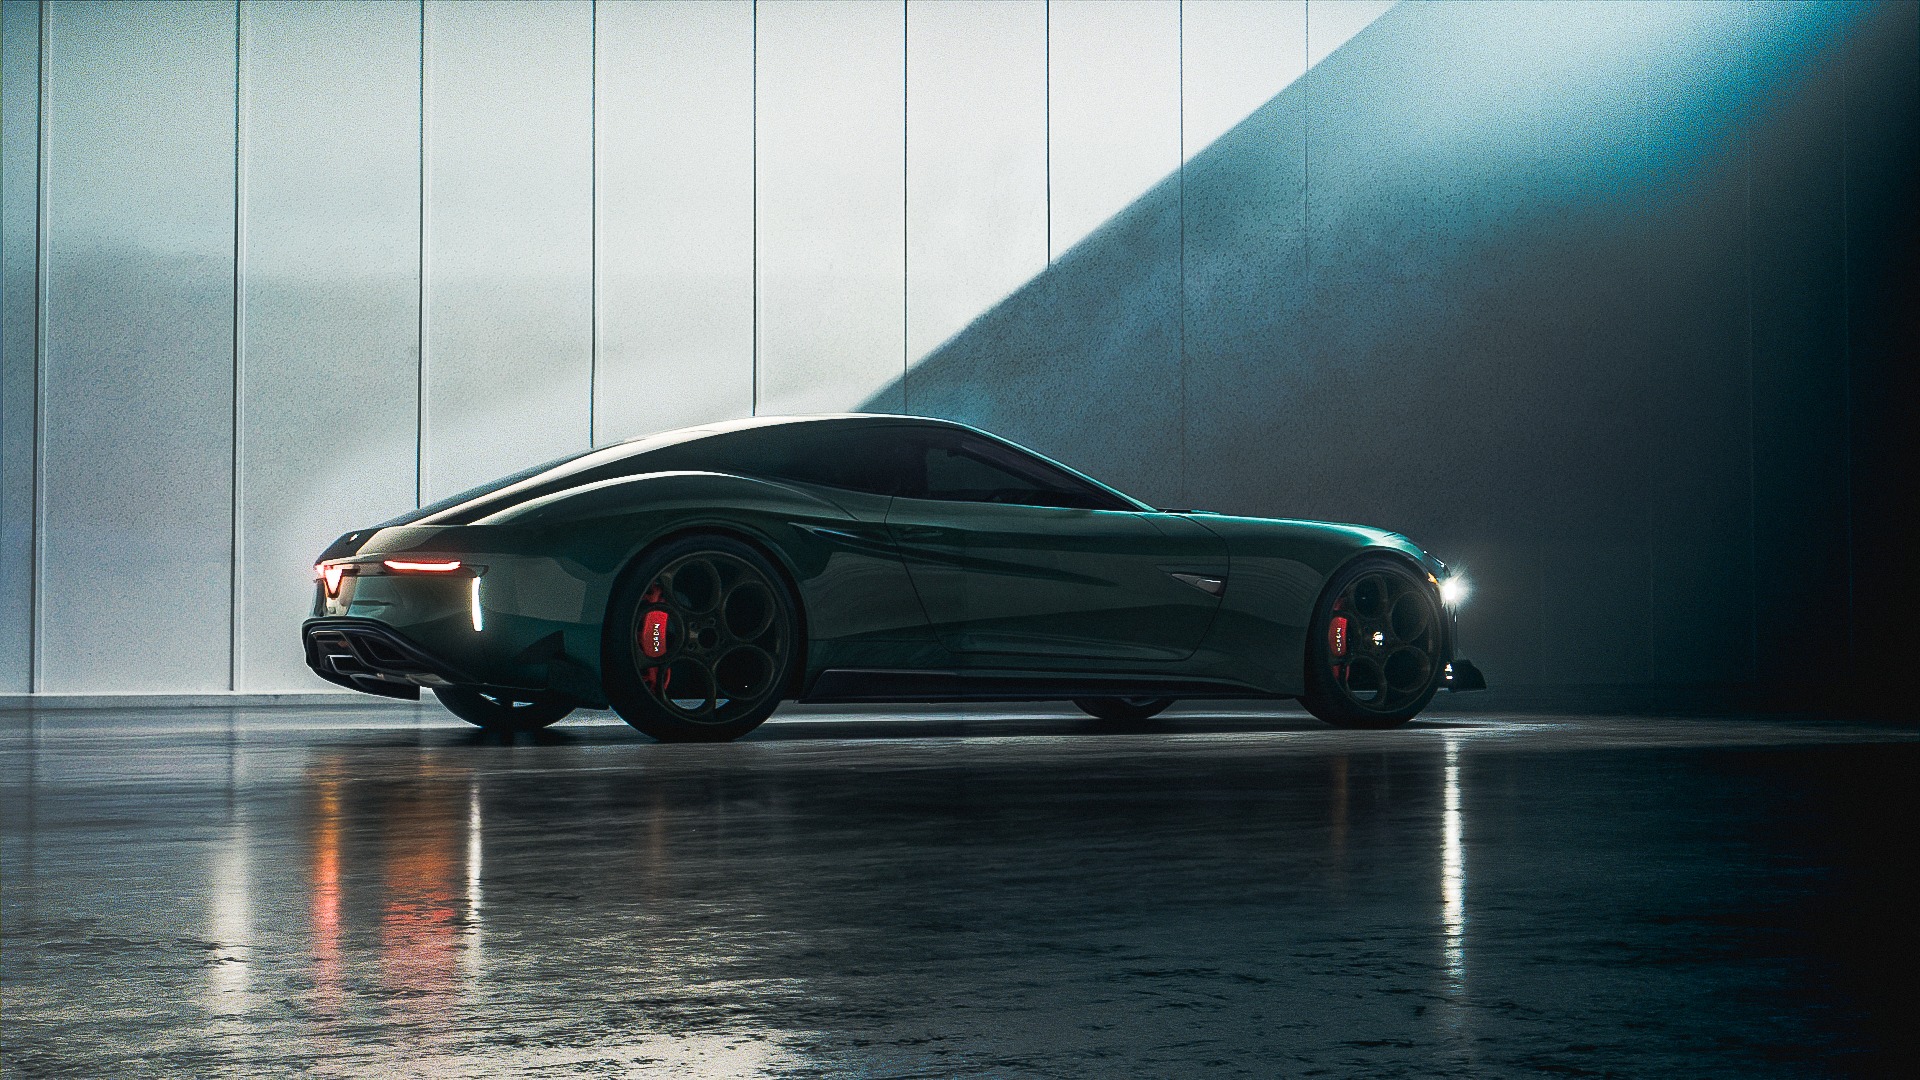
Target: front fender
{"type": "Point", "coordinates": [1277, 568]}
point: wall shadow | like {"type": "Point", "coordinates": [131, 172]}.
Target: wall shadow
{"type": "Point", "coordinates": [1584, 301]}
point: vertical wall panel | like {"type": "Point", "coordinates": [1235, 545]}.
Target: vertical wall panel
{"type": "Point", "coordinates": [138, 399]}
{"type": "Point", "coordinates": [19, 334]}
{"type": "Point", "coordinates": [831, 216]}
{"type": "Point", "coordinates": [1114, 163]}
{"type": "Point", "coordinates": [509, 219]}
{"type": "Point", "coordinates": [976, 160]}
{"type": "Point", "coordinates": [1115, 99]}
{"type": "Point", "coordinates": [329, 328]}
{"type": "Point", "coordinates": [1699, 389]}
{"type": "Point", "coordinates": [1234, 58]}
{"type": "Point", "coordinates": [1243, 258]}
{"type": "Point", "coordinates": [1330, 23]}
{"type": "Point", "coordinates": [674, 138]}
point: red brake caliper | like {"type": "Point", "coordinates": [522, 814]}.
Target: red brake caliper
{"type": "Point", "coordinates": [1337, 644]}
{"type": "Point", "coordinates": [653, 643]}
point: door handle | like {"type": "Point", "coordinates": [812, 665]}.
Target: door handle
{"type": "Point", "coordinates": [919, 532]}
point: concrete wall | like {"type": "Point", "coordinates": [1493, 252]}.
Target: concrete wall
{"type": "Point", "coordinates": [1580, 298]}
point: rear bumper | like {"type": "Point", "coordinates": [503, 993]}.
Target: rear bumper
{"type": "Point", "coordinates": [371, 657]}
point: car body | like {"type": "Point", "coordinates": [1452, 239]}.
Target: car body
{"type": "Point", "coordinates": [927, 561]}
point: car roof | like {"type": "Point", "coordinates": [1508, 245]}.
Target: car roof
{"type": "Point", "coordinates": [581, 466]}
{"type": "Point", "coordinates": [664, 438]}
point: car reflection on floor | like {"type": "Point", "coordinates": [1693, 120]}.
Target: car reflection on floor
{"type": "Point", "coordinates": [424, 854]}
{"type": "Point", "coordinates": [272, 893]}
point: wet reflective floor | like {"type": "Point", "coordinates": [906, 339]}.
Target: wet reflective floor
{"type": "Point", "coordinates": [357, 892]}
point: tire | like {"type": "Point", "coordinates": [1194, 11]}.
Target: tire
{"type": "Point", "coordinates": [1122, 709]}
{"type": "Point", "coordinates": [726, 637]}
{"type": "Point", "coordinates": [1382, 662]}
{"type": "Point", "coordinates": [504, 711]}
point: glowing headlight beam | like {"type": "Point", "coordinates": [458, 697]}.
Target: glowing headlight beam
{"type": "Point", "coordinates": [1454, 590]}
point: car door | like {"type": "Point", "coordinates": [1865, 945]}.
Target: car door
{"type": "Point", "coordinates": [1016, 558]}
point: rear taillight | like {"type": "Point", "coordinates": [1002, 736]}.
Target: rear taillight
{"type": "Point", "coordinates": [330, 575]}
{"type": "Point", "coordinates": [408, 566]}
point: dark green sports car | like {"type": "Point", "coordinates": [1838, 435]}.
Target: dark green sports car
{"type": "Point", "coordinates": [694, 580]}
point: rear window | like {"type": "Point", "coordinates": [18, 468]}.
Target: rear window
{"type": "Point", "coordinates": [588, 466]}
{"type": "Point", "coordinates": [858, 457]}
{"type": "Point", "coordinates": [472, 493]}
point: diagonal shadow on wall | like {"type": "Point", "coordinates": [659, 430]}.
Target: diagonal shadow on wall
{"type": "Point", "coordinates": [1559, 290]}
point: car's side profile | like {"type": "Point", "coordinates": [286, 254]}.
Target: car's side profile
{"type": "Point", "coordinates": [694, 580]}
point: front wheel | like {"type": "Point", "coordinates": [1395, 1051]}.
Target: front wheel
{"type": "Point", "coordinates": [700, 641]}
{"type": "Point", "coordinates": [502, 710]}
{"type": "Point", "coordinates": [1374, 649]}
{"type": "Point", "coordinates": [1122, 709]}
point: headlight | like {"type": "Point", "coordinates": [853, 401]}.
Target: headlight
{"type": "Point", "coordinates": [1454, 590]}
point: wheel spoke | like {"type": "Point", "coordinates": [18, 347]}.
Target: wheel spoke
{"type": "Point", "coordinates": [1408, 619]}
{"type": "Point", "coordinates": [724, 640]}
{"type": "Point", "coordinates": [745, 671]}
{"type": "Point", "coordinates": [672, 687]}
{"type": "Point", "coordinates": [746, 610]}
{"type": "Point", "coordinates": [1385, 674]}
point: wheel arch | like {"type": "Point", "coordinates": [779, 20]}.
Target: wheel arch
{"type": "Point", "coordinates": [1322, 604]}
{"type": "Point", "coordinates": [1394, 554]}
{"type": "Point", "coordinates": [781, 562]}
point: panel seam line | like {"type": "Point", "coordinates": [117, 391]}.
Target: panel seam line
{"type": "Point", "coordinates": [235, 570]}
{"type": "Point", "coordinates": [43, 264]}
{"type": "Point", "coordinates": [420, 314]}
{"type": "Point", "coordinates": [593, 216]}
{"type": "Point", "coordinates": [753, 124]}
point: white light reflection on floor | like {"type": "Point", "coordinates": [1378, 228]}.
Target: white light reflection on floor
{"type": "Point", "coordinates": [230, 930]}
{"type": "Point", "coordinates": [1453, 878]}
{"type": "Point", "coordinates": [471, 959]}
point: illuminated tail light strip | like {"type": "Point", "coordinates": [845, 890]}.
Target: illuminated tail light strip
{"type": "Point", "coordinates": [405, 566]}
{"type": "Point", "coordinates": [331, 575]}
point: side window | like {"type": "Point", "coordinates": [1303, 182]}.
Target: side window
{"type": "Point", "coordinates": [860, 459]}
{"type": "Point", "coordinates": [863, 458]}
{"type": "Point", "coordinates": [967, 468]}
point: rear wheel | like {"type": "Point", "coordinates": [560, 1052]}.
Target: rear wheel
{"type": "Point", "coordinates": [1373, 651]}
{"type": "Point", "coordinates": [504, 710]}
{"type": "Point", "coordinates": [1122, 709]}
{"type": "Point", "coordinates": [700, 641]}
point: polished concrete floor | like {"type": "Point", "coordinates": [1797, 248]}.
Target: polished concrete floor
{"type": "Point", "coordinates": [370, 891]}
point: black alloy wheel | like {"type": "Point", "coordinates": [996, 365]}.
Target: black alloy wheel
{"type": "Point", "coordinates": [1122, 709]}
{"type": "Point", "coordinates": [699, 643]}
{"type": "Point", "coordinates": [1375, 647]}
{"type": "Point", "coordinates": [505, 711]}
